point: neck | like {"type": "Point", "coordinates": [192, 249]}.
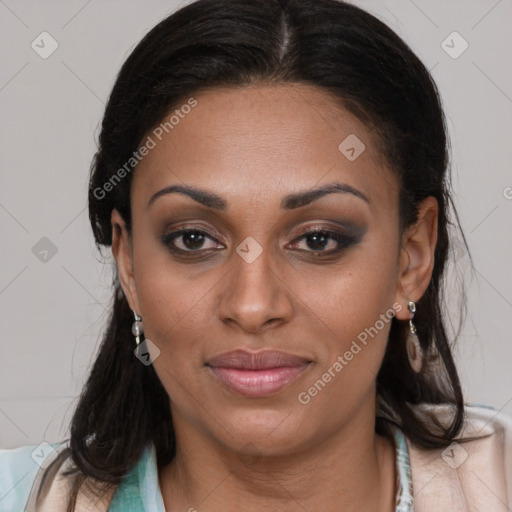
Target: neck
{"type": "Point", "coordinates": [352, 469]}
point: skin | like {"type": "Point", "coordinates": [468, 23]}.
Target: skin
{"type": "Point", "coordinates": [253, 146]}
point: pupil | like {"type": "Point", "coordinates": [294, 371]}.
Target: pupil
{"type": "Point", "coordinates": [193, 240]}
{"type": "Point", "coordinates": [317, 237]}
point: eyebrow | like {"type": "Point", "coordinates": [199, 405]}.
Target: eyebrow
{"type": "Point", "coordinates": [289, 202]}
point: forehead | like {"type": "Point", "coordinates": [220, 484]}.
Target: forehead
{"type": "Point", "coordinates": [263, 141]}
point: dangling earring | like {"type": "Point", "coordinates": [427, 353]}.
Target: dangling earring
{"type": "Point", "coordinates": [137, 328]}
{"type": "Point", "coordinates": [414, 350]}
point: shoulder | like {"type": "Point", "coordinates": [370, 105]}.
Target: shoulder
{"type": "Point", "coordinates": [474, 473]}
{"type": "Point", "coordinates": [37, 478]}
{"type": "Point", "coordinates": [19, 469]}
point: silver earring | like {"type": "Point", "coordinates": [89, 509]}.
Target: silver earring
{"type": "Point", "coordinates": [137, 328]}
{"type": "Point", "coordinates": [414, 350]}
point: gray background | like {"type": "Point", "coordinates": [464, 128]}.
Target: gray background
{"type": "Point", "coordinates": [53, 306]}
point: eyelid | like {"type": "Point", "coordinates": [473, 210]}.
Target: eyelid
{"type": "Point", "coordinates": [350, 233]}
{"type": "Point", "coordinates": [342, 240]}
{"type": "Point", "coordinates": [348, 229]}
{"type": "Point", "coordinates": [193, 227]}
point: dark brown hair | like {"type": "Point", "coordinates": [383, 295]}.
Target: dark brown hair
{"type": "Point", "coordinates": [369, 70]}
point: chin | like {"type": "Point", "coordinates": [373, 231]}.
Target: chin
{"type": "Point", "coordinates": [264, 431]}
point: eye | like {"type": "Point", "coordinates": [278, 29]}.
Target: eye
{"type": "Point", "coordinates": [319, 241]}
{"type": "Point", "coordinates": [322, 241]}
{"type": "Point", "coordinates": [188, 240]}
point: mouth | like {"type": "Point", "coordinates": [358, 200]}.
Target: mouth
{"type": "Point", "coordinates": [257, 374]}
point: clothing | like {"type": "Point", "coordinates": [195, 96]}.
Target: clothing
{"type": "Point", "coordinates": [474, 476]}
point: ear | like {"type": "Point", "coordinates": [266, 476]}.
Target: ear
{"type": "Point", "coordinates": [122, 252]}
{"type": "Point", "coordinates": [416, 259]}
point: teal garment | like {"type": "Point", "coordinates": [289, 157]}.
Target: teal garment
{"type": "Point", "coordinates": [139, 491]}
{"type": "Point", "coordinates": [404, 497]}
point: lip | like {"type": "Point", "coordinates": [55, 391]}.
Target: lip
{"type": "Point", "coordinates": [265, 359]}
{"type": "Point", "coordinates": [257, 374]}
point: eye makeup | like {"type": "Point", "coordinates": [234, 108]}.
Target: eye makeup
{"type": "Point", "coordinates": [317, 240]}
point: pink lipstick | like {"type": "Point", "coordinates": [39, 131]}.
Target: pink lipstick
{"type": "Point", "coordinates": [257, 374]}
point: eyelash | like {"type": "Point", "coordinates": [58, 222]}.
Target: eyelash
{"type": "Point", "coordinates": [344, 241]}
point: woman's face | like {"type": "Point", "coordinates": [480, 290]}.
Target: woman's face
{"type": "Point", "coordinates": [247, 277]}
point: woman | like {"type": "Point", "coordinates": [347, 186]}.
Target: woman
{"type": "Point", "coordinates": [272, 179]}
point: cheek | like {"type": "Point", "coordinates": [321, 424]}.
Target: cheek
{"type": "Point", "coordinates": [353, 297]}
{"type": "Point", "coordinates": [176, 319]}
{"type": "Point", "coordinates": [165, 293]}
{"type": "Point", "coordinates": [355, 310]}
{"type": "Point", "coordinates": [177, 305]}
{"type": "Point", "coordinates": [176, 312]}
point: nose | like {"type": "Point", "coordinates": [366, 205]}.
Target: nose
{"type": "Point", "coordinates": [255, 295]}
